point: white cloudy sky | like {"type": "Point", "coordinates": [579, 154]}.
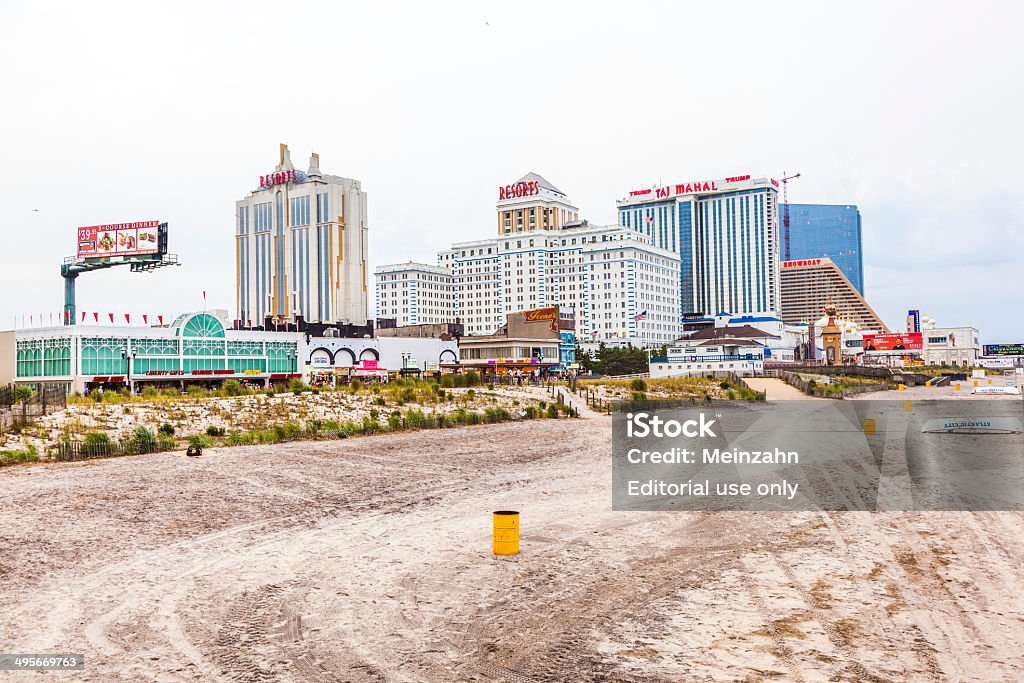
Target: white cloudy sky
{"type": "Point", "coordinates": [121, 112]}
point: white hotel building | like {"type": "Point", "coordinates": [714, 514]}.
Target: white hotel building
{"type": "Point", "coordinates": [301, 247]}
{"type": "Point", "coordinates": [619, 285]}
{"type": "Point", "coordinates": [725, 233]}
{"type": "Point", "coordinates": [415, 294]}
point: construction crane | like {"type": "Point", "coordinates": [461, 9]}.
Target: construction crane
{"type": "Point", "coordinates": [785, 211]}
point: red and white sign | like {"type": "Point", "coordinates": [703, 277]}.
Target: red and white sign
{"type": "Point", "coordinates": [905, 341]}
{"type": "Point", "coordinates": [368, 364]}
{"type": "Point", "coordinates": [694, 187]}
{"type": "Point", "coordinates": [802, 263]}
{"type": "Point", "coordinates": [118, 239]}
{"type": "Point", "coordinates": [277, 178]}
{"type": "Point", "coordinates": [518, 190]}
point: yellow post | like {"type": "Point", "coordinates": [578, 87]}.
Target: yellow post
{"type": "Point", "coordinates": [901, 388]}
{"type": "Point", "coordinates": [990, 381]}
{"type": "Point", "coordinates": [928, 384]}
{"type": "Point", "coordinates": [869, 426]}
{"type": "Point", "coordinates": [975, 382]}
{"type": "Point", "coordinates": [908, 406]}
{"type": "Point", "coordinates": [506, 532]}
{"type": "Point", "coordinates": [956, 386]}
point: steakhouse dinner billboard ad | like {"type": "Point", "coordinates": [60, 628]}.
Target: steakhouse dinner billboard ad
{"type": "Point", "coordinates": [905, 341]}
{"type": "Point", "coordinates": [118, 239]}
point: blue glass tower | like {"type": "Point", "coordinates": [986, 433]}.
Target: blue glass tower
{"type": "Point", "coordinates": [828, 231]}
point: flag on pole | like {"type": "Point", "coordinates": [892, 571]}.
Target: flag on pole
{"type": "Point", "coordinates": [145, 319]}
{"type": "Point", "coordinates": [204, 299]}
{"type": "Point", "coordinates": [640, 316]}
{"type": "Point", "coordinates": [83, 316]}
{"type": "Point", "coordinates": [161, 319]}
{"type": "Point", "coordinates": [111, 316]}
{"type": "Point", "coordinates": [128, 318]}
{"type": "Point", "coordinates": [96, 316]}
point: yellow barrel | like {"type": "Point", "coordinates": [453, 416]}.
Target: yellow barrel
{"type": "Point", "coordinates": [900, 387]}
{"type": "Point", "coordinates": [957, 386]}
{"type": "Point", "coordinates": [928, 384]}
{"type": "Point", "coordinates": [506, 532]}
{"type": "Point", "coordinates": [869, 427]}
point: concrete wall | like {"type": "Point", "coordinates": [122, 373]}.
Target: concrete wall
{"type": "Point", "coordinates": [387, 350]}
{"type": "Point", "coordinates": [8, 355]}
{"type": "Point", "coordinates": [685, 369]}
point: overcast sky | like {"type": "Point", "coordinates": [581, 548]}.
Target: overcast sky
{"type": "Point", "coordinates": [134, 111]}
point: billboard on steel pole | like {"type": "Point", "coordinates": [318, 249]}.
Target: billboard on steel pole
{"type": "Point", "coordinates": [118, 239]}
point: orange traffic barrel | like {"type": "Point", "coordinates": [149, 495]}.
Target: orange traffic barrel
{"type": "Point", "coordinates": [506, 532]}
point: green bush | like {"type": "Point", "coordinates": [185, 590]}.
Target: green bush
{"type": "Point", "coordinates": [638, 396]}
{"type": "Point", "coordinates": [380, 401]}
{"type": "Point", "coordinates": [724, 384]}
{"type": "Point", "coordinates": [22, 393]}
{"type": "Point", "coordinates": [233, 387]}
{"type": "Point", "coordinates": [166, 429]}
{"type": "Point", "coordinates": [150, 393]}
{"type": "Point", "coordinates": [27, 454]}
{"type": "Point", "coordinates": [395, 421]}
{"type": "Point", "coordinates": [638, 385]}
{"type": "Point", "coordinates": [552, 411]}
{"type": "Point", "coordinates": [414, 419]}
{"type": "Point", "coordinates": [144, 440]}
{"type": "Point", "coordinates": [200, 440]}
{"type": "Point", "coordinates": [97, 439]}
{"type": "Point", "coordinates": [288, 430]}
{"type": "Point", "coordinates": [214, 431]}
{"type": "Point", "coordinates": [356, 386]}
{"type": "Point", "coordinates": [493, 414]}
{"type": "Point", "coordinates": [239, 439]}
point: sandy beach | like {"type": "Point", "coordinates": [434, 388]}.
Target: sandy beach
{"type": "Point", "coordinates": [369, 559]}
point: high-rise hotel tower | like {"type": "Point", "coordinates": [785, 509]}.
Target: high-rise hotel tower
{"type": "Point", "coordinates": [301, 246]}
{"type": "Point", "coordinates": [726, 235]}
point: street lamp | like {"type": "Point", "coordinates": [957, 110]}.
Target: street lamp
{"type": "Point", "coordinates": [128, 363]}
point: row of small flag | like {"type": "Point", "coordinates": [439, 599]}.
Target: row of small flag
{"type": "Point", "coordinates": [94, 317]}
